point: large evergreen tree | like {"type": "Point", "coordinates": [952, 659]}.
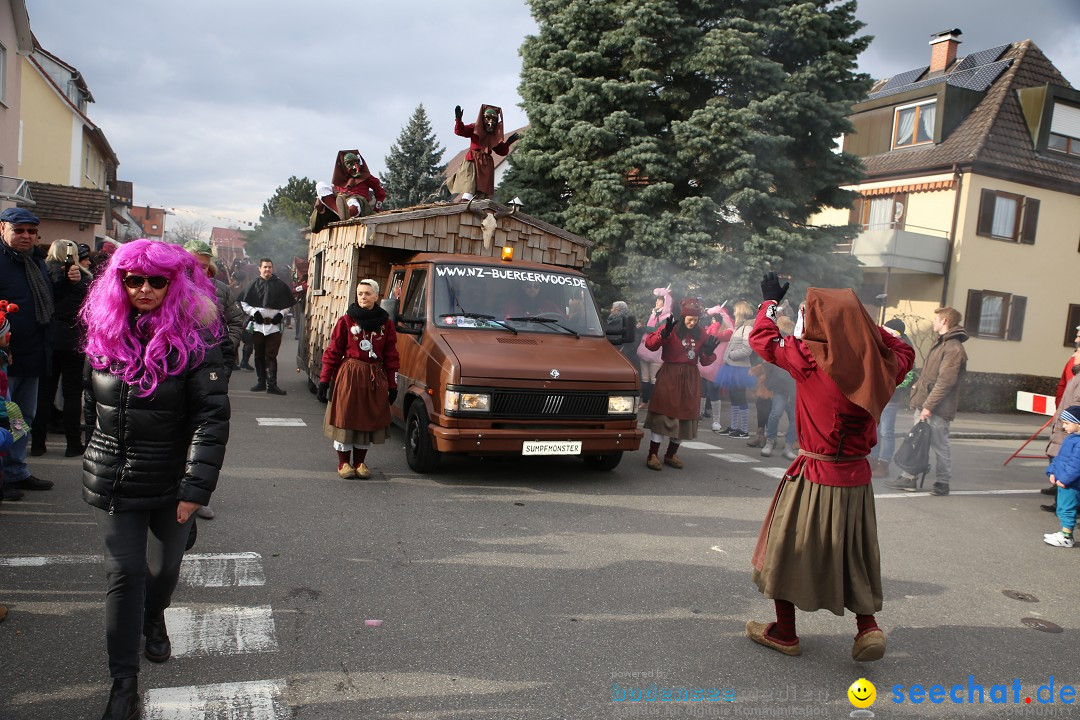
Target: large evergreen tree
{"type": "Point", "coordinates": [691, 140]}
{"type": "Point", "coordinates": [413, 172]}
{"type": "Point", "coordinates": [279, 234]}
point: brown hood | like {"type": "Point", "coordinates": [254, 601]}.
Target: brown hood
{"type": "Point", "coordinates": [486, 355]}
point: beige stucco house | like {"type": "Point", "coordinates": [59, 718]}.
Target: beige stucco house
{"type": "Point", "coordinates": [972, 200]}
{"type": "Point", "coordinates": [15, 41]}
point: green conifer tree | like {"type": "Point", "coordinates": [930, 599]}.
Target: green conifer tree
{"type": "Point", "coordinates": [691, 140]}
{"type": "Point", "coordinates": [413, 173]}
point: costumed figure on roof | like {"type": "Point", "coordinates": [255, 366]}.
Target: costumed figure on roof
{"type": "Point", "coordinates": [674, 408]}
{"type": "Point", "coordinates": [818, 547]}
{"type": "Point", "coordinates": [476, 176]}
{"type": "Point", "coordinates": [353, 192]}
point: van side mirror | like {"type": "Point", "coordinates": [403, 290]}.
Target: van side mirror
{"type": "Point", "coordinates": [409, 326]}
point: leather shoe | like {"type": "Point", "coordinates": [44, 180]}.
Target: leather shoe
{"type": "Point", "coordinates": [158, 648]}
{"type": "Point", "coordinates": [11, 494]}
{"type": "Point", "coordinates": [123, 700]}
{"type": "Point", "coordinates": [74, 450]}
{"type": "Point", "coordinates": [758, 632]}
{"type": "Point", "coordinates": [673, 461]}
{"type": "Point", "coordinates": [1049, 490]}
{"type": "Point", "coordinates": [258, 387]}
{"type": "Point", "coordinates": [653, 463]}
{"type": "Point", "coordinates": [869, 646]}
{"type": "Point", "coordinates": [1052, 507]}
{"type": "Point", "coordinates": [31, 483]}
{"type": "Point", "coordinates": [346, 471]}
{"type": "Point", "coordinates": [275, 390]}
{"type": "Point", "coordinates": [363, 471]}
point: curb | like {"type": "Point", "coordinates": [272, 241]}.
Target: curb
{"type": "Point", "coordinates": [996, 436]}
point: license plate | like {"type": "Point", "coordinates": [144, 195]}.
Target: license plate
{"type": "Point", "coordinates": [551, 447]}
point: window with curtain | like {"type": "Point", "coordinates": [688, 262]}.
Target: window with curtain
{"type": "Point", "coordinates": [995, 314]}
{"type": "Point", "coordinates": [914, 124]}
{"type": "Point", "coordinates": [1007, 216]}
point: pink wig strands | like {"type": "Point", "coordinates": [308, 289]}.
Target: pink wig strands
{"type": "Point", "coordinates": [145, 349]}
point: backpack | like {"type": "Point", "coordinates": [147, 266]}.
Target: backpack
{"type": "Point", "coordinates": [913, 454]}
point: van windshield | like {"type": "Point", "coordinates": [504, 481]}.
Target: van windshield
{"type": "Point", "coordinates": [495, 298]}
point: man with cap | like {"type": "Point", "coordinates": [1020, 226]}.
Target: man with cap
{"type": "Point", "coordinates": [232, 315]}
{"type": "Point", "coordinates": [25, 281]}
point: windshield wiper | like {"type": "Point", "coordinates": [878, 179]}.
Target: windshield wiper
{"type": "Point", "coordinates": [545, 321]}
{"type": "Point", "coordinates": [485, 318]}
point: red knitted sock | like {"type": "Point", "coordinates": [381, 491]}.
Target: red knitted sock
{"type": "Point", "coordinates": [342, 458]}
{"type": "Point", "coordinates": [358, 455]}
{"type": "Point", "coordinates": [865, 623]}
{"type": "Point", "coordinates": [654, 448]}
{"type": "Point", "coordinates": [784, 627]}
{"type": "Point", "coordinates": [672, 448]}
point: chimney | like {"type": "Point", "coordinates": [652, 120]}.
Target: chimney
{"type": "Point", "coordinates": [943, 49]}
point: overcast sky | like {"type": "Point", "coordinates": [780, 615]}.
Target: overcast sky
{"type": "Point", "coordinates": [211, 105]}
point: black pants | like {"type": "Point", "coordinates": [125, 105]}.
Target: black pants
{"type": "Point", "coordinates": [266, 350]}
{"type": "Point", "coordinates": [67, 368]}
{"type": "Point", "coordinates": [143, 552]}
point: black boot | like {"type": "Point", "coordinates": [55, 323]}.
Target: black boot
{"type": "Point", "coordinates": [158, 648]}
{"type": "Point", "coordinates": [123, 700]}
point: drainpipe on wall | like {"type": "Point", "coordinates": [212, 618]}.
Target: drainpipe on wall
{"type": "Point", "coordinates": [959, 178]}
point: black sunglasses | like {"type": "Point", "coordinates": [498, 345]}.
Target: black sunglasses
{"type": "Point", "coordinates": [136, 281]}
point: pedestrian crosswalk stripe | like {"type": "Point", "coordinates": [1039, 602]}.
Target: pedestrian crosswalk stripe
{"type": "Point", "coordinates": [257, 700]}
{"type": "Point", "coordinates": [221, 630]}
{"type": "Point", "coordinates": [734, 458]}
{"type": "Point", "coordinates": [42, 560]}
{"type": "Point", "coordinates": [694, 445]}
{"type": "Point", "coordinates": [222, 570]}
{"type": "Point", "coordinates": [281, 422]}
{"type": "Point", "coordinates": [773, 472]}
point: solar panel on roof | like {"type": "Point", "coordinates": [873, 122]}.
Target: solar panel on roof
{"type": "Point", "coordinates": [977, 78]}
{"type": "Point", "coordinates": [983, 57]}
{"type": "Point", "coordinates": [904, 78]}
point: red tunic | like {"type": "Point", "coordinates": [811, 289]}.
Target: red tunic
{"type": "Point", "coordinates": [480, 155]}
{"type": "Point", "coordinates": [361, 188]}
{"type": "Point", "coordinates": [827, 422]}
{"type": "Point", "coordinates": [677, 393]}
{"type": "Point", "coordinates": [343, 343]}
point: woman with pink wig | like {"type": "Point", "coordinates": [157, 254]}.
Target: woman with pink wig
{"type": "Point", "coordinates": [158, 394]}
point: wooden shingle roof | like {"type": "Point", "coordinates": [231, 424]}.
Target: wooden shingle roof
{"type": "Point", "coordinates": [69, 204]}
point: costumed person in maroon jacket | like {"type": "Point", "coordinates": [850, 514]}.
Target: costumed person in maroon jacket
{"type": "Point", "coordinates": [818, 547]}
{"type": "Point", "coordinates": [476, 176]}
{"type": "Point", "coordinates": [356, 192]}
{"type": "Point", "coordinates": [362, 361]}
{"type": "Point", "coordinates": [674, 409]}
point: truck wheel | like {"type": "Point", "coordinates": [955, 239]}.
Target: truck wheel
{"type": "Point", "coordinates": [419, 452]}
{"type": "Point", "coordinates": [603, 462]}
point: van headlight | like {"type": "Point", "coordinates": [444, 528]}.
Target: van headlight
{"type": "Point", "coordinates": [455, 401]}
{"type": "Point", "coordinates": [621, 404]}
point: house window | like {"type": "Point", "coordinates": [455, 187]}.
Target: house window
{"type": "Point", "coordinates": [995, 314]}
{"type": "Point", "coordinates": [3, 73]}
{"type": "Point", "coordinates": [1006, 216]}
{"type": "Point", "coordinates": [882, 212]}
{"type": "Point", "coordinates": [316, 278]}
{"type": "Point", "coordinates": [914, 124]}
{"type": "Point", "coordinates": [1065, 129]}
{"type": "Point", "coordinates": [1071, 324]}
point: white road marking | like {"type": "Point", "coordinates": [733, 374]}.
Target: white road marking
{"type": "Point", "coordinates": [734, 458]}
{"type": "Point", "coordinates": [222, 570]}
{"type": "Point", "coordinates": [42, 560]}
{"type": "Point", "coordinates": [258, 700]}
{"type": "Point", "coordinates": [694, 445]}
{"type": "Point", "coordinates": [773, 472]}
{"type": "Point", "coordinates": [926, 493]}
{"type": "Point", "coordinates": [281, 422]}
{"type": "Point", "coordinates": [221, 630]}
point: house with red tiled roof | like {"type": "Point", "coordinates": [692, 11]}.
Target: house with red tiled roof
{"type": "Point", "coordinates": [151, 220]}
{"type": "Point", "coordinates": [228, 245]}
{"type": "Point", "coordinates": [971, 200]}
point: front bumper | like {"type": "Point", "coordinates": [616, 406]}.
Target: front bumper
{"type": "Point", "coordinates": [508, 441]}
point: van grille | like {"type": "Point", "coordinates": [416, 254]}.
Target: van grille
{"type": "Point", "coordinates": [519, 404]}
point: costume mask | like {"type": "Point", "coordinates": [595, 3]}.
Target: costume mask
{"type": "Point", "coordinates": [491, 120]}
{"type": "Point", "coordinates": [353, 164]}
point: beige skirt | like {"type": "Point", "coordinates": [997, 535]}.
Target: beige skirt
{"type": "Point", "coordinates": [821, 548]}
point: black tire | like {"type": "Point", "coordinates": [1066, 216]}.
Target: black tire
{"type": "Point", "coordinates": [419, 451]}
{"type": "Point", "coordinates": [603, 462]}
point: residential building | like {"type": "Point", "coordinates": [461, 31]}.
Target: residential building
{"type": "Point", "coordinates": [972, 200]}
{"type": "Point", "coordinates": [151, 220]}
{"type": "Point", "coordinates": [228, 245]}
{"type": "Point", "coordinates": [15, 41]}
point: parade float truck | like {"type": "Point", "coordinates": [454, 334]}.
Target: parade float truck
{"type": "Point", "coordinates": [503, 351]}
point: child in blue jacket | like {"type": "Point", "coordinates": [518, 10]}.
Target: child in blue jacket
{"type": "Point", "coordinates": [1064, 471]}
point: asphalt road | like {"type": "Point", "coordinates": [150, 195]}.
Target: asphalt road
{"type": "Point", "coordinates": [512, 589]}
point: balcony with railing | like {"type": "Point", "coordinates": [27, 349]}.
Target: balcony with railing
{"type": "Point", "coordinates": [908, 249]}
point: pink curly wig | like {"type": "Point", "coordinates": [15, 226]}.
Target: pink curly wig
{"type": "Point", "coordinates": [147, 349]}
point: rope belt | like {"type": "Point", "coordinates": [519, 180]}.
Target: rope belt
{"type": "Point", "coordinates": [833, 458]}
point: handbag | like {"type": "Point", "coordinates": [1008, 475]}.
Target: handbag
{"type": "Point", "coordinates": [912, 456]}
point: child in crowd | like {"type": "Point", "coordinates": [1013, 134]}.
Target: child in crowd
{"type": "Point", "coordinates": [1064, 472]}
{"type": "Point", "coordinates": [6, 436]}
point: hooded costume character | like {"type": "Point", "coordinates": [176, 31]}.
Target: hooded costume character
{"type": "Point", "coordinates": [356, 191]}
{"type": "Point", "coordinates": [477, 172]}
{"type": "Point", "coordinates": [818, 545]}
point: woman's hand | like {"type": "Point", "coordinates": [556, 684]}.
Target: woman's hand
{"type": "Point", "coordinates": [184, 509]}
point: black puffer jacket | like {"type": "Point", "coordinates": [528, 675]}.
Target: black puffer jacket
{"type": "Point", "coordinates": [151, 452]}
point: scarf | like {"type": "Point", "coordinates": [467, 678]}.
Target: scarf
{"type": "Point", "coordinates": [39, 288]}
{"type": "Point", "coordinates": [271, 293]}
{"type": "Point", "coordinates": [368, 320]}
{"type": "Point", "coordinates": [847, 345]}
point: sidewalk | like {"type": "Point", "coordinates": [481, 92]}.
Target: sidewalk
{"type": "Point", "coordinates": [994, 426]}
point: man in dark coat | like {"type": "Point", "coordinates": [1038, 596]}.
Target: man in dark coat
{"type": "Point", "coordinates": [24, 280]}
{"type": "Point", "coordinates": [264, 300]}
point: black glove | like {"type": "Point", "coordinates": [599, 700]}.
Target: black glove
{"type": "Point", "coordinates": [322, 392]}
{"type": "Point", "coordinates": [669, 325]}
{"type": "Point", "coordinates": [514, 137]}
{"type": "Point", "coordinates": [771, 289]}
{"type": "Point", "coordinates": [457, 112]}
{"type": "Point", "coordinates": [257, 317]}
{"type": "Point", "coordinates": [393, 395]}
{"type": "Point", "coordinates": [278, 319]}
{"type": "Point", "coordinates": [709, 345]}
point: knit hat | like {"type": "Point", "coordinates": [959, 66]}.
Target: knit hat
{"type": "Point", "coordinates": [19, 216]}
{"type": "Point", "coordinates": [198, 247]}
{"type": "Point", "coordinates": [691, 307]}
{"type": "Point", "coordinates": [1071, 414]}
{"type": "Point", "coordinates": [84, 251]}
{"type": "Point", "coordinates": [897, 324]}
{"type": "Point", "coordinates": [6, 308]}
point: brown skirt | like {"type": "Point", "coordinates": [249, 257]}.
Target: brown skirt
{"type": "Point", "coordinates": [674, 408]}
{"type": "Point", "coordinates": [359, 409]}
{"type": "Point", "coordinates": [821, 548]}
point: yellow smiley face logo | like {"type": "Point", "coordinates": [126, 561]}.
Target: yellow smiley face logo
{"type": "Point", "coordinates": [862, 693]}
